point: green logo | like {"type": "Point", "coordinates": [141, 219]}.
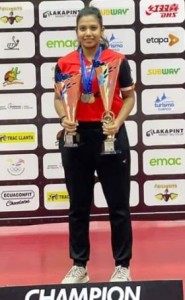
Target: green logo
{"type": "Point", "coordinates": [62, 44]}
{"type": "Point", "coordinates": [171, 161]}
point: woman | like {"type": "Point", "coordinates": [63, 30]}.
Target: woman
{"type": "Point", "coordinates": [81, 162]}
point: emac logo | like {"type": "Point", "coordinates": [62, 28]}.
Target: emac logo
{"type": "Point", "coordinates": [171, 161]}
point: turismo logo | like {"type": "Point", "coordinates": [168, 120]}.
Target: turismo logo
{"type": "Point", "coordinates": [164, 161]}
{"type": "Point", "coordinates": [115, 43]}
{"type": "Point", "coordinates": [160, 101]}
{"type": "Point", "coordinates": [163, 102]}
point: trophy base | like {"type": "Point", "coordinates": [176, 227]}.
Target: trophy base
{"type": "Point", "coordinates": [109, 147]}
{"type": "Point", "coordinates": [71, 140]}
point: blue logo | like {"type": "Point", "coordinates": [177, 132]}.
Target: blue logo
{"type": "Point", "coordinates": [115, 43]}
{"type": "Point", "coordinates": [163, 103]}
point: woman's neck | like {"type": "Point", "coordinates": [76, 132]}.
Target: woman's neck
{"type": "Point", "coordinates": [89, 53]}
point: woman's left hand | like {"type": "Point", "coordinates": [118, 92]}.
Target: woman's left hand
{"type": "Point", "coordinates": [112, 128]}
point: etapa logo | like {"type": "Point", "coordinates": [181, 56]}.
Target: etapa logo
{"type": "Point", "coordinates": [164, 132]}
{"type": "Point", "coordinates": [47, 107]}
{"type": "Point", "coordinates": [17, 45]}
{"type": "Point", "coordinates": [118, 40]}
{"type": "Point", "coordinates": [17, 167]}
{"type": "Point", "coordinates": [16, 14]}
{"type": "Point", "coordinates": [47, 72]}
{"type": "Point", "coordinates": [55, 44]}
{"type": "Point", "coordinates": [23, 106]}
{"type": "Point", "coordinates": [132, 131]}
{"type": "Point", "coordinates": [18, 137]}
{"type": "Point", "coordinates": [49, 135]}
{"type": "Point", "coordinates": [59, 13]}
{"type": "Point", "coordinates": [162, 11]}
{"type": "Point", "coordinates": [163, 71]}
{"type": "Point", "coordinates": [164, 161]}
{"type": "Point", "coordinates": [162, 40]}
{"type": "Point", "coordinates": [100, 201]}
{"type": "Point", "coordinates": [164, 192]}
{"type": "Point", "coordinates": [19, 198]}
{"type": "Point", "coordinates": [115, 12]}
{"type": "Point", "coordinates": [56, 196]}
{"type": "Point", "coordinates": [17, 76]}
{"type": "Point", "coordinates": [52, 166]}
{"type": "Point", "coordinates": [163, 101]}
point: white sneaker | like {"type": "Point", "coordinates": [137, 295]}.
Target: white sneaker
{"type": "Point", "coordinates": [120, 274]}
{"type": "Point", "coordinates": [76, 275]}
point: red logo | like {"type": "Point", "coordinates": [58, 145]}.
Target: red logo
{"type": "Point", "coordinates": [165, 10]}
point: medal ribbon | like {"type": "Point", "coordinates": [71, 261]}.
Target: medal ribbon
{"type": "Point", "coordinates": [88, 76]}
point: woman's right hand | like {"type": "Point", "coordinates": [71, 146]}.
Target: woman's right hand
{"type": "Point", "coordinates": [68, 125]}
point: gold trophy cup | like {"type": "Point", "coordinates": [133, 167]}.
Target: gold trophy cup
{"type": "Point", "coordinates": [107, 76]}
{"type": "Point", "coordinates": [69, 92]}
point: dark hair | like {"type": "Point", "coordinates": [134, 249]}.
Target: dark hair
{"type": "Point", "coordinates": [92, 10]}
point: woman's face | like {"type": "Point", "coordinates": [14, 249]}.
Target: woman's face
{"type": "Point", "coordinates": [89, 32]}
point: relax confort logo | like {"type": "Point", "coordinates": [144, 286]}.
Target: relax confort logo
{"type": "Point", "coordinates": [163, 71]}
{"type": "Point", "coordinates": [164, 161]}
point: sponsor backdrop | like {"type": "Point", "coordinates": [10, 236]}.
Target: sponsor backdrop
{"type": "Point", "coordinates": [33, 35]}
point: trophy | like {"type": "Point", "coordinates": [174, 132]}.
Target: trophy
{"type": "Point", "coordinates": [107, 76]}
{"type": "Point", "coordinates": [68, 88]}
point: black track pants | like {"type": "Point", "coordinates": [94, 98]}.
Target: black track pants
{"type": "Point", "coordinates": [114, 175]}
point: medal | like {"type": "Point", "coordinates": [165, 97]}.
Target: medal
{"type": "Point", "coordinates": [87, 77]}
{"type": "Point", "coordinates": [87, 98]}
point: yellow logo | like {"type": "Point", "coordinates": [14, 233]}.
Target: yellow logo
{"type": "Point", "coordinates": [57, 196]}
{"type": "Point", "coordinates": [17, 137]}
{"type": "Point", "coordinates": [173, 39]}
